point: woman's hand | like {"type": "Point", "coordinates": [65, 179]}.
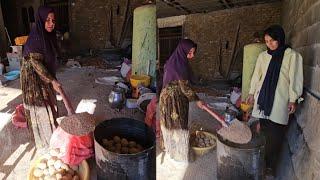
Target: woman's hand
{"type": "Point", "coordinates": [250, 99]}
{"type": "Point", "coordinates": [201, 104]}
{"type": "Point", "coordinates": [292, 107]}
{"type": "Point", "coordinates": [56, 86]}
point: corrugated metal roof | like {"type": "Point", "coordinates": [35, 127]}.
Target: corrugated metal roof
{"type": "Point", "coordinates": [166, 8]}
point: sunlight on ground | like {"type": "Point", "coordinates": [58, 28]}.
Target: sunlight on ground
{"type": "Point", "coordinates": [23, 164]}
{"type": "Point", "coordinates": [4, 119]}
{"type": "Point", "coordinates": [14, 156]}
{"type": "Point", "coordinates": [168, 168]}
{"type": "Point", "coordinates": [87, 105]}
{"type": "Point", "coordinates": [8, 94]}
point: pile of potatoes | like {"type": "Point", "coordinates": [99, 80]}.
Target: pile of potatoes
{"type": "Point", "coordinates": [52, 168]}
{"type": "Point", "coordinates": [122, 145]}
{"type": "Point", "coordinates": [200, 139]}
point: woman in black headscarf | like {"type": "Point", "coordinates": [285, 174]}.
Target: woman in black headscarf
{"type": "Point", "coordinates": [276, 85]}
{"type": "Point", "coordinates": [38, 78]}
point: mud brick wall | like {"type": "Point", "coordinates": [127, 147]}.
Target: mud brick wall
{"type": "Point", "coordinates": [207, 30]}
{"type": "Point", "coordinates": [3, 36]}
{"type": "Point", "coordinates": [301, 155]}
{"type": "Point", "coordinates": [89, 24]}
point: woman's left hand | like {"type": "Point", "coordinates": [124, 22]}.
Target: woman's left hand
{"type": "Point", "coordinates": [291, 107]}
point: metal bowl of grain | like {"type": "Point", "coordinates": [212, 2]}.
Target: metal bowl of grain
{"type": "Point", "coordinates": [202, 142]}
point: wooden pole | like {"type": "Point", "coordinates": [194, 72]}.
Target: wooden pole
{"type": "Point", "coordinates": [233, 49]}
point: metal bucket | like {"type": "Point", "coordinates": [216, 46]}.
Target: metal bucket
{"type": "Point", "coordinates": [241, 161]}
{"type": "Point", "coordinates": [112, 165]}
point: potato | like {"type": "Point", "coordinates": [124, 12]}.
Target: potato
{"type": "Point", "coordinates": [71, 172]}
{"type": "Point", "coordinates": [116, 139]}
{"type": "Point", "coordinates": [124, 150]}
{"type": "Point", "coordinates": [38, 172]}
{"type": "Point", "coordinates": [46, 172]}
{"type": "Point", "coordinates": [201, 135]}
{"type": "Point", "coordinates": [52, 170]}
{"type": "Point", "coordinates": [49, 178]}
{"type": "Point", "coordinates": [133, 150]}
{"type": "Point", "coordinates": [67, 177]}
{"type": "Point", "coordinates": [112, 149]}
{"type": "Point", "coordinates": [109, 144]}
{"type": "Point", "coordinates": [139, 147]}
{"type": "Point", "coordinates": [76, 177]}
{"type": "Point", "coordinates": [105, 141]}
{"type": "Point", "coordinates": [47, 157]}
{"type": "Point", "coordinates": [124, 142]}
{"type": "Point", "coordinates": [65, 166]}
{"type": "Point", "coordinates": [132, 144]}
{"type": "Point", "coordinates": [44, 160]}
{"type": "Point", "coordinates": [42, 165]}
{"type": "Point", "coordinates": [57, 164]}
{"type": "Point", "coordinates": [202, 144]}
{"type": "Point", "coordinates": [118, 146]}
{"type": "Point", "coordinates": [54, 152]}
{"type": "Point", "coordinates": [75, 168]}
{"type": "Point", "coordinates": [61, 171]}
{"type": "Point", "coordinates": [58, 176]}
{"type": "Point", "coordinates": [51, 161]}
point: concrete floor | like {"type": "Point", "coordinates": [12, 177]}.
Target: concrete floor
{"type": "Point", "coordinates": [18, 149]}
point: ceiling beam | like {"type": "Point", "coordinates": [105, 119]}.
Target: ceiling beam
{"type": "Point", "coordinates": [177, 5]}
{"type": "Point", "coordinates": [226, 4]}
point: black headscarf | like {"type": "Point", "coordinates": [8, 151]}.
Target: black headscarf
{"type": "Point", "coordinates": [41, 41]}
{"type": "Point", "coordinates": [268, 89]}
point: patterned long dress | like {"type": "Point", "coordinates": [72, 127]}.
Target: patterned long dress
{"type": "Point", "coordinates": [174, 109]}
{"type": "Point", "coordinates": [39, 99]}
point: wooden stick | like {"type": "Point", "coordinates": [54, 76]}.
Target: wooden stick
{"type": "Point", "coordinates": [233, 50]}
{"type": "Point", "coordinates": [124, 25]}
{"type": "Point", "coordinates": [67, 102]}
{"type": "Point", "coordinates": [216, 116]}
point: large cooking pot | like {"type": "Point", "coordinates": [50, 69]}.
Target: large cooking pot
{"type": "Point", "coordinates": [117, 98]}
{"type": "Point", "coordinates": [114, 166]}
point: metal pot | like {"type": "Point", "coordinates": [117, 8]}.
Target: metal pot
{"type": "Point", "coordinates": [117, 98]}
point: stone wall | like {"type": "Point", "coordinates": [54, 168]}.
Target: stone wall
{"type": "Point", "coordinates": [92, 26]}
{"type": "Point", "coordinates": [301, 155]}
{"type": "Point", "coordinates": [207, 30]}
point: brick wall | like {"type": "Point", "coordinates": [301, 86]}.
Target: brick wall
{"type": "Point", "coordinates": [301, 155]}
{"type": "Point", "coordinates": [207, 29]}
{"type": "Point", "coordinates": [90, 28]}
{"type": "Point", "coordinates": [3, 36]}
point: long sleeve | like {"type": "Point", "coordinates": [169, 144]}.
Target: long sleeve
{"type": "Point", "coordinates": [36, 61]}
{"type": "Point", "coordinates": [187, 91]}
{"type": "Point", "coordinates": [256, 75]}
{"type": "Point", "coordinates": [295, 77]}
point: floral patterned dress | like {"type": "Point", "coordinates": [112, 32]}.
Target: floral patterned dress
{"type": "Point", "coordinates": [39, 98]}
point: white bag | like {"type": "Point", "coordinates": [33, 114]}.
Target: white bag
{"type": "Point", "coordinates": [125, 68]}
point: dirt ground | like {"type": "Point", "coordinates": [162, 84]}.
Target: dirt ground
{"type": "Point", "coordinates": [18, 149]}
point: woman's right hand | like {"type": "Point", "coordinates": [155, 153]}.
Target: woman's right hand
{"type": "Point", "coordinates": [56, 86]}
{"type": "Point", "coordinates": [250, 99]}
